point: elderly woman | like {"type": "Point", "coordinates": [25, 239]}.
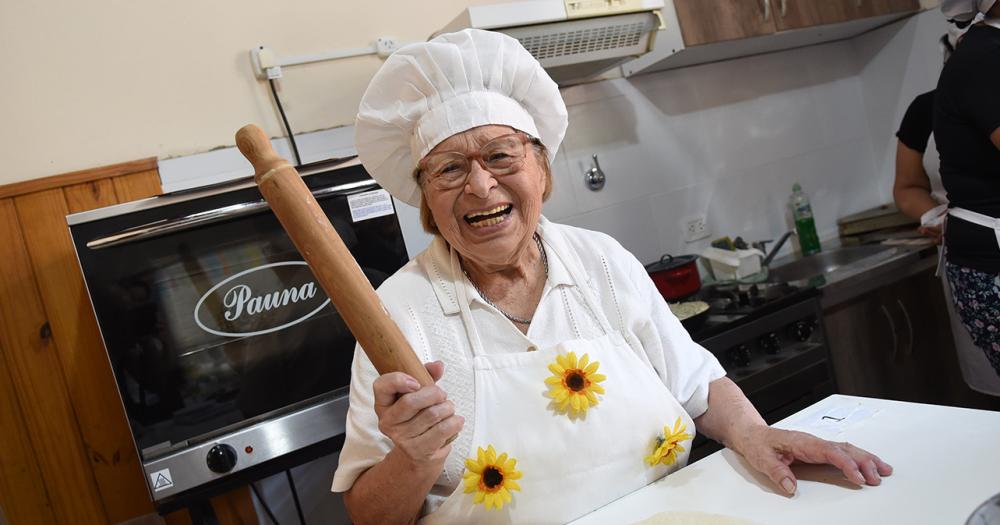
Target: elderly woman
{"type": "Point", "coordinates": [563, 380]}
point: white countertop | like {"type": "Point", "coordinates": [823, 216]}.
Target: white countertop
{"type": "Point", "coordinates": [946, 461]}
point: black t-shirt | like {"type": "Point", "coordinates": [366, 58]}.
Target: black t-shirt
{"type": "Point", "coordinates": [918, 122]}
{"type": "Point", "coordinates": [966, 112]}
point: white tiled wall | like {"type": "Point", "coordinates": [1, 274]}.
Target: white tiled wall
{"type": "Point", "coordinates": [728, 140]}
{"type": "Point", "coordinates": [724, 140]}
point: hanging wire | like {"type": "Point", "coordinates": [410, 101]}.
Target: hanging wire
{"type": "Point", "coordinates": [284, 119]}
{"type": "Point", "coordinates": [295, 496]}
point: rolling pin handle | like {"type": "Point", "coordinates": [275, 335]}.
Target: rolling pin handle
{"type": "Point", "coordinates": [257, 148]}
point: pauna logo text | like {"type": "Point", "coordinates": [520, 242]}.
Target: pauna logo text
{"type": "Point", "coordinates": [260, 300]}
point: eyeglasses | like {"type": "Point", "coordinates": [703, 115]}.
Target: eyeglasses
{"type": "Point", "coordinates": [450, 169]}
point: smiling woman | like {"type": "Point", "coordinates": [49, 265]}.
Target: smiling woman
{"type": "Point", "coordinates": [455, 167]}
{"type": "Point", "coordinates": [555, 341]}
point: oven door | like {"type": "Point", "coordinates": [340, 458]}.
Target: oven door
{"type": "Point", "coordinates": [215, 327]}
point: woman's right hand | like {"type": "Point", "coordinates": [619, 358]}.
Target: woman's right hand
{"type": "Point", "coordinates": [419, 421]}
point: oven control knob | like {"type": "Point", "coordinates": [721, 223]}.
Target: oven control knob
{"type": "Point", "coordinates": [740, 355]}
{"type": "Point", "coordinates": [803, 330]}
{"type": "Point", "coordinates": [221, 458]}
{"type": "Point", "coordinates": [770, 344]}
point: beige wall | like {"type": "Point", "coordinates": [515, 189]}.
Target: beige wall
{"type": "Point", "coordinates": [88, 83]}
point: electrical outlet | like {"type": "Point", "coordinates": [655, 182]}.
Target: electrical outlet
{"type": "Point", "coordinates": [696, 228]}
{"type": "Point", "coordinates": [385, 46]}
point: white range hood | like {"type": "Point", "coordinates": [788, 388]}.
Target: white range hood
{"type": "Point", "coordinates": [574, 40]}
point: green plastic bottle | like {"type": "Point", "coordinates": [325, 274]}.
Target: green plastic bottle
{"type": "Point", "coordinates": [805, 226]}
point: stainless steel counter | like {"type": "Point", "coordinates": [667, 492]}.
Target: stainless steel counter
{"type": "Point", "coordinates": [883, 267]}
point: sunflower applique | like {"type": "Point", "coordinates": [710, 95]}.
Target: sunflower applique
{"type": "Point", "coordinates": [574, 383]}
{"type": "Point", "coordinates": [491, 478]}
{"type": "Point", "coordinates": [667, 447]}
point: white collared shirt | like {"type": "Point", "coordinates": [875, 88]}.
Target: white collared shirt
{"type": "Point", "coordinates": [421, 298]}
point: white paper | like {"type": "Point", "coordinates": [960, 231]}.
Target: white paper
{"type": "Point", "coordinates": [369, 205]}
{"type": "Point", "coordinates": [835, 419]}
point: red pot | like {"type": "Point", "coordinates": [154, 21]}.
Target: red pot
{"type": "Point", "coordinates": [675, 277]}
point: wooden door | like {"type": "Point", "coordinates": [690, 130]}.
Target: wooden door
{"type": "Point", "coordinates": [797, 14]}
{"type": "Point", "coordinates": [708, 21]}
{"type": "Point", "coordinates": [863, 339]}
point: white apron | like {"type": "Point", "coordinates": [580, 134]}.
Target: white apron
{"type": "Point", "coordinates": [569, 467]}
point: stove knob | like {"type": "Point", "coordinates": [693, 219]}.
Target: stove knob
{"type": "Point", "coordinates": [221, 458]}
{"type": "Point", "coordinates": [740, 355]}
{"type": "Point", "coordinates": [803, 330]}
{"type": "Point", "coordinates": [770, 343]}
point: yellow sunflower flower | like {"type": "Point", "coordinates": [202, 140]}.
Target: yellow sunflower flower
{"type": "Point", "coordinates": [667, 447]}
{"type": "Point", "coordinates": [491, 478]}
{"type": "Point", "coordinates": [574, 384]}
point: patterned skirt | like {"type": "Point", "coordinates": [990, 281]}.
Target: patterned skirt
{"type": "Point", "coordinates": [977, 302]}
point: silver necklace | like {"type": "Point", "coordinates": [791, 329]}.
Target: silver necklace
{"type": "Point", "coordinates": [512, 318]}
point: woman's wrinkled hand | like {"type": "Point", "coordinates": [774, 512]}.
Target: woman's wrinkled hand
{"type": "Point", "coordinates": [771, 451]}
{"type": "Point", "coordinates": [419, 421]}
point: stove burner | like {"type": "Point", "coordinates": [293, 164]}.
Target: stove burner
{"type": "Point", "coordinates": [744, 298]}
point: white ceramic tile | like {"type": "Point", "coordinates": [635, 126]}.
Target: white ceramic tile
{"type": "Point", "coordinates": [841, 111]}
{"type": "Point", "coordinates": [630, 223]}
{"type": "Point", "coordinates": [562, 200]}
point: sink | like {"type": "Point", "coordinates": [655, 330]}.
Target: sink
{"type": "Point", "coordinates": [823, 263]}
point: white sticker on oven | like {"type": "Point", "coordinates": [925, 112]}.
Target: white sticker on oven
{"type": "Point", "coordinates": [161, 480]}
{"type": "Point", "coordinates": [369, 205]}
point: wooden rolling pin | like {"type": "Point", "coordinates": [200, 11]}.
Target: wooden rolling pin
{"type": "Point", "coordinates": [332, 264]}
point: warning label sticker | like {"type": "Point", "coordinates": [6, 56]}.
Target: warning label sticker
{"type": "Point", "coordinates": [161, 480]}
{"type": "Point", "coordinates": [369, 205]}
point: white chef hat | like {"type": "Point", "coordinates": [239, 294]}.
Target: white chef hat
{"type": "Point", "coordinates": [427, 92]}
{"type": "Point", "coordinates": [962, 12]}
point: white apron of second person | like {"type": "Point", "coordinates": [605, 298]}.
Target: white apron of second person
{"type": "Point", "coordinates": [569, 466]}
{"type": "Point", "coordinates": [976, 369]}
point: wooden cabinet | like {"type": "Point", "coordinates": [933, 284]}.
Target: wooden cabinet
{"type": "Point", "coordinates": [797, 14]}
{"type": "Point", "coordinates": [710, 21]}
{"type": "Point", "coordinates": [706, 21]}
{"type": "Point", "coordinates": [896, 343]}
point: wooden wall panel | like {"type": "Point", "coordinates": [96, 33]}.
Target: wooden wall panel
{"type": "Point", "coordinates": [22, 490]}
{"type": "Point", "coordinates": [90, 195]}
{"type": "Point", "coordinates": [90, 382]}
{"type": "Point", "coordinates": [68, 456]}
{"type": "Point", "coordinates": [137, 185]}
{"type": "Point", "coordinates": [39, 382]}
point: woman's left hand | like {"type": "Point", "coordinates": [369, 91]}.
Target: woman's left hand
{"type": "Point", "coordinates": [771, 451]}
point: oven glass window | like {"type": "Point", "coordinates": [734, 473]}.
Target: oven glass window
{"type": "Point", "coordinates": [219, 326]}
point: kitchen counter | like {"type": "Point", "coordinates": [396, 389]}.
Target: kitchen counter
{"type": "Point", "coordinates": [946, 464]}
{"type": "Point", "coordinates": [850, 281]}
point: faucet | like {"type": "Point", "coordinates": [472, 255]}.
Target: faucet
{"type": "Point", "coordinates": [760, 245]}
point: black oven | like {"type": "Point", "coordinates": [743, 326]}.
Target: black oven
{"type": "Point", "coordinates": [226, 352]}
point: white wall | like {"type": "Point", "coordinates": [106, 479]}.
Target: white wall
{"type": "Point", "coordinates": [728, 140]}
{"type": "Point", "coordinates": [725, 140]}
{"type": "Point", "coordinates": [896, 63]}
{"type": "Point", "coordinates": [98, 82]}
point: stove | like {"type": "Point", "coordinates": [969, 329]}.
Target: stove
{"type": "Point", "coordinates": [769, 338]}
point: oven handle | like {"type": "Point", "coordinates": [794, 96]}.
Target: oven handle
{"type": "Point", "coordinates": [165, 226]}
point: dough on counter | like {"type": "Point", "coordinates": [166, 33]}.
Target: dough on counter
{"type": "Point", "coordinates": [693, 518]}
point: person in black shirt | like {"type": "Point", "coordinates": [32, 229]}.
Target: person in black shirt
{"type": "Point", "coordinates": [967, 132]}
{"type": "Point", "coordinates": [912, 188]}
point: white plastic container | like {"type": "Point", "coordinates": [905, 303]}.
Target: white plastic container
{"type": "Point", "coordinates": [730, 265]}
